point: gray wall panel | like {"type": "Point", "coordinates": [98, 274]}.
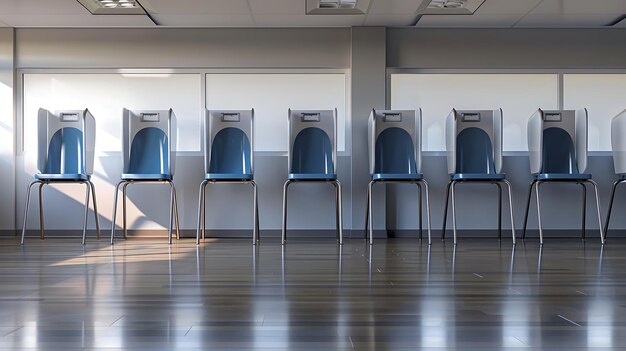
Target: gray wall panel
{"type": "Point", "coordinates": [183, 48]}
{"type": "Point", "coordinates": [506, 48]}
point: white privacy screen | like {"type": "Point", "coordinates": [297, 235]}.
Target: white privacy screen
{"type": "Point", "coordinates": [272, 94]}
{"type": "Point", "coordinates": [105, 95]}
{"type": "Point", "coordinates": [604, 96]}
{"type": "Point", "coordinates": [519, 96]}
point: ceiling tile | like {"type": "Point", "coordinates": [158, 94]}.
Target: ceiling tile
{"type": "Point", "coordinates": [395, 7]}
{"type": "Point", "coordinates": [565, 21]}
{"type": "Point", "coordinates": [497, 7]}
{"type": "Point", "coordinates": [390, 20]}
{"type": "Point", "coordinates": [309, 20]}
{"type": "Point", "coordinates": [32, 7]}
{"type": "Point", "coordinates": [196, 7]}
{"type": "Point", "coordinates": [86, 20]}
{"type": "Point", "coordinates": [204, 20]}
{"type": "Point", "coordinates": [277, 7]}
{"type": "Point", "coordinates": [476, 20]}
{"type": "Point", "coordinates": [579, 7]}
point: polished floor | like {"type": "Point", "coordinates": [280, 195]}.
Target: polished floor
{"type": "Point", "coordinates": [312, 295]}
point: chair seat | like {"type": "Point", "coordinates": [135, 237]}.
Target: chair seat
{"type": "Point", "coordinates": [561, 176]}
{"type": "Point", "coordinates": [146, 176]}
{"type": "Point", "coordinates": [228, 176]}
{"type": "Point", "coordinates": [312, 176]}
{"type": "Point", "coordinates": [477, 176]}
{"type": "Point", "coordinates": [397, 176]}
{"type": "Point", "coordinates": [62, 177]}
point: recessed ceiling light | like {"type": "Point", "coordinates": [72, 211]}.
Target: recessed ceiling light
{"type": "Point", "coordinates": [337, 7]}
{"type": "Point", "coordinates": [113, 7]}
{"type": "Point", "coordinates": [449, 7]}
{"type": "Point", "coordinates": [337, 4]}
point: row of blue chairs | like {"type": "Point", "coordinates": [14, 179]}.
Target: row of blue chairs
{"type": "Point", "coordinates": [557, 142]}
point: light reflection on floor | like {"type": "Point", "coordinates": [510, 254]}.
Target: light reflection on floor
{"type": "Point", "coordinates": [311, 294]}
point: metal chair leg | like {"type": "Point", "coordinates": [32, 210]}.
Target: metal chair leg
{"type": "Point", "coordinates": [595, 188]}
{"type": "Point", "coordinates": [336, 209]}
{"type": "Point", "coordinates": [419, 208]}
{"type": "Point", "coordinates": [95, 208]}
{"type": "Point", "coordinates": [530, 192]}
{"type": "Point", "coordinates": [255, 230]}
{"type": "Point", "coordinates": [30, 186]}
{"type": "Point", "coordinates": [87, 192]}
{"type": "Point", "coordinates": [499, 211]}
{"type": "Point", "coordinates": [204, 212]}
{"type": "Point", "coordinates": [41, 217]}
{"type": "Point", "coordinates": [117, 189]}
{"type": "Point", "coordinates": [176, 218]}
{"type": "Point", "coordinates": [124, 210]}
{"type": "Point", "coordinates": [608, 215]}
{"type": "Point", "coordinates": [537, 186]}
{"type": "Point", "coordinates": [200, 210]}
{"type": "Point", "coordinates": [284, 229]}
{"type": "Point", "coordinates": [340, 211]}
{"type": "Point", "coordinates": [171, 217]}
{"type": "Point", "coordinates": [369, 210]}
{"type": "Point", "coordinates": [453, 195]}
{"type": "Point", "coordinates": [445, 212]}
{"type": "Point", "coordinates": [367, 214]}
{"type": "Point", "coordinates": [584, 210]}
{"type": "Point", "coordinates": [427, 212]}
{"type": "Point", "coordinates": [509, 188]}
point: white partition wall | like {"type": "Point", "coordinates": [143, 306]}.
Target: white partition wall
{"type": "Point", "coordinates": [272, 94]}
{"type": "Point", "coordinates": [107, 94]}
{"type": "Point", "coordinates": [604, 96]}
{"type": "Point", "coordinates": [519, 95]}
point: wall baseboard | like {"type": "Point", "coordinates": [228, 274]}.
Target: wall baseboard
{"type": "Point", "coordinates": [591, 234]}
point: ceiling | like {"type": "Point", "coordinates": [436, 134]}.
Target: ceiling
{"type": "Point", "coordinates": [291, 13]}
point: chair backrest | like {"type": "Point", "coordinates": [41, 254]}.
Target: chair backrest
{"type": "Point", "coordinates": [66, 142]}
{"type": "Point", "coordinates": [395, 141]}
{"type": "Point", "coordinates": [149, 141]}
{"type": "Point", "coordinates": [557, 141]}
{"type": "Point", "coordinates": [228, 138]}
{"type": "Point", "coordinates": [474, 141]}
{"type": "Point", "coordinates": [618, 142]}
{"type": "Point", "coordinates": [312, 141]}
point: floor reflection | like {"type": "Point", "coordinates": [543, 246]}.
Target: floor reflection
{"type": "Point", "coordinates": [312, 294]}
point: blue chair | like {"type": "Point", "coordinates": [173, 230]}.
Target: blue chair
{"type": "Point", "coordinates": [149, 154]}
{"type": "Point", "coordinates": [618, 144]}
{"type": "Point", "coordinates": [228, 158]}
{"type": "Point", "coordinates": [66, 143]}
{"type": "Point", "coordinates": [557, 147]}
{"type": "Point", "coordinates": [474, 146]}
{"type": "Point", "coordinates": [312, 156]}
{"type": "Point", "coordinates": [395, 155]}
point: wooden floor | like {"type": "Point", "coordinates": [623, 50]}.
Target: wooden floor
{"type": "Point", "coordinates": [312, 295]}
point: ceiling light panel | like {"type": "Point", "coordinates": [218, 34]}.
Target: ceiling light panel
{"type": "Point", "coordinates": [337, 7]}
{"type": "Point", "coordinates": [449, 7]}
{"type": "Point", "coordinates": [113, 7]}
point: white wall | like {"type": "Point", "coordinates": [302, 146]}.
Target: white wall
{"type": "Point", "coordinates": [603, 95]}
{"type": "Point", "coordinates": [7, 161]}
{"type": "Point", "coordinates": [519, 96]}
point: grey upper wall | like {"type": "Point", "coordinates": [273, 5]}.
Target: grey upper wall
{"type": "Point", "coordinates": [317, 48]}
{"type": "Point", "coordinates": [506, 48]}
{"type": "Point", "coordinates": [183, 48]}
